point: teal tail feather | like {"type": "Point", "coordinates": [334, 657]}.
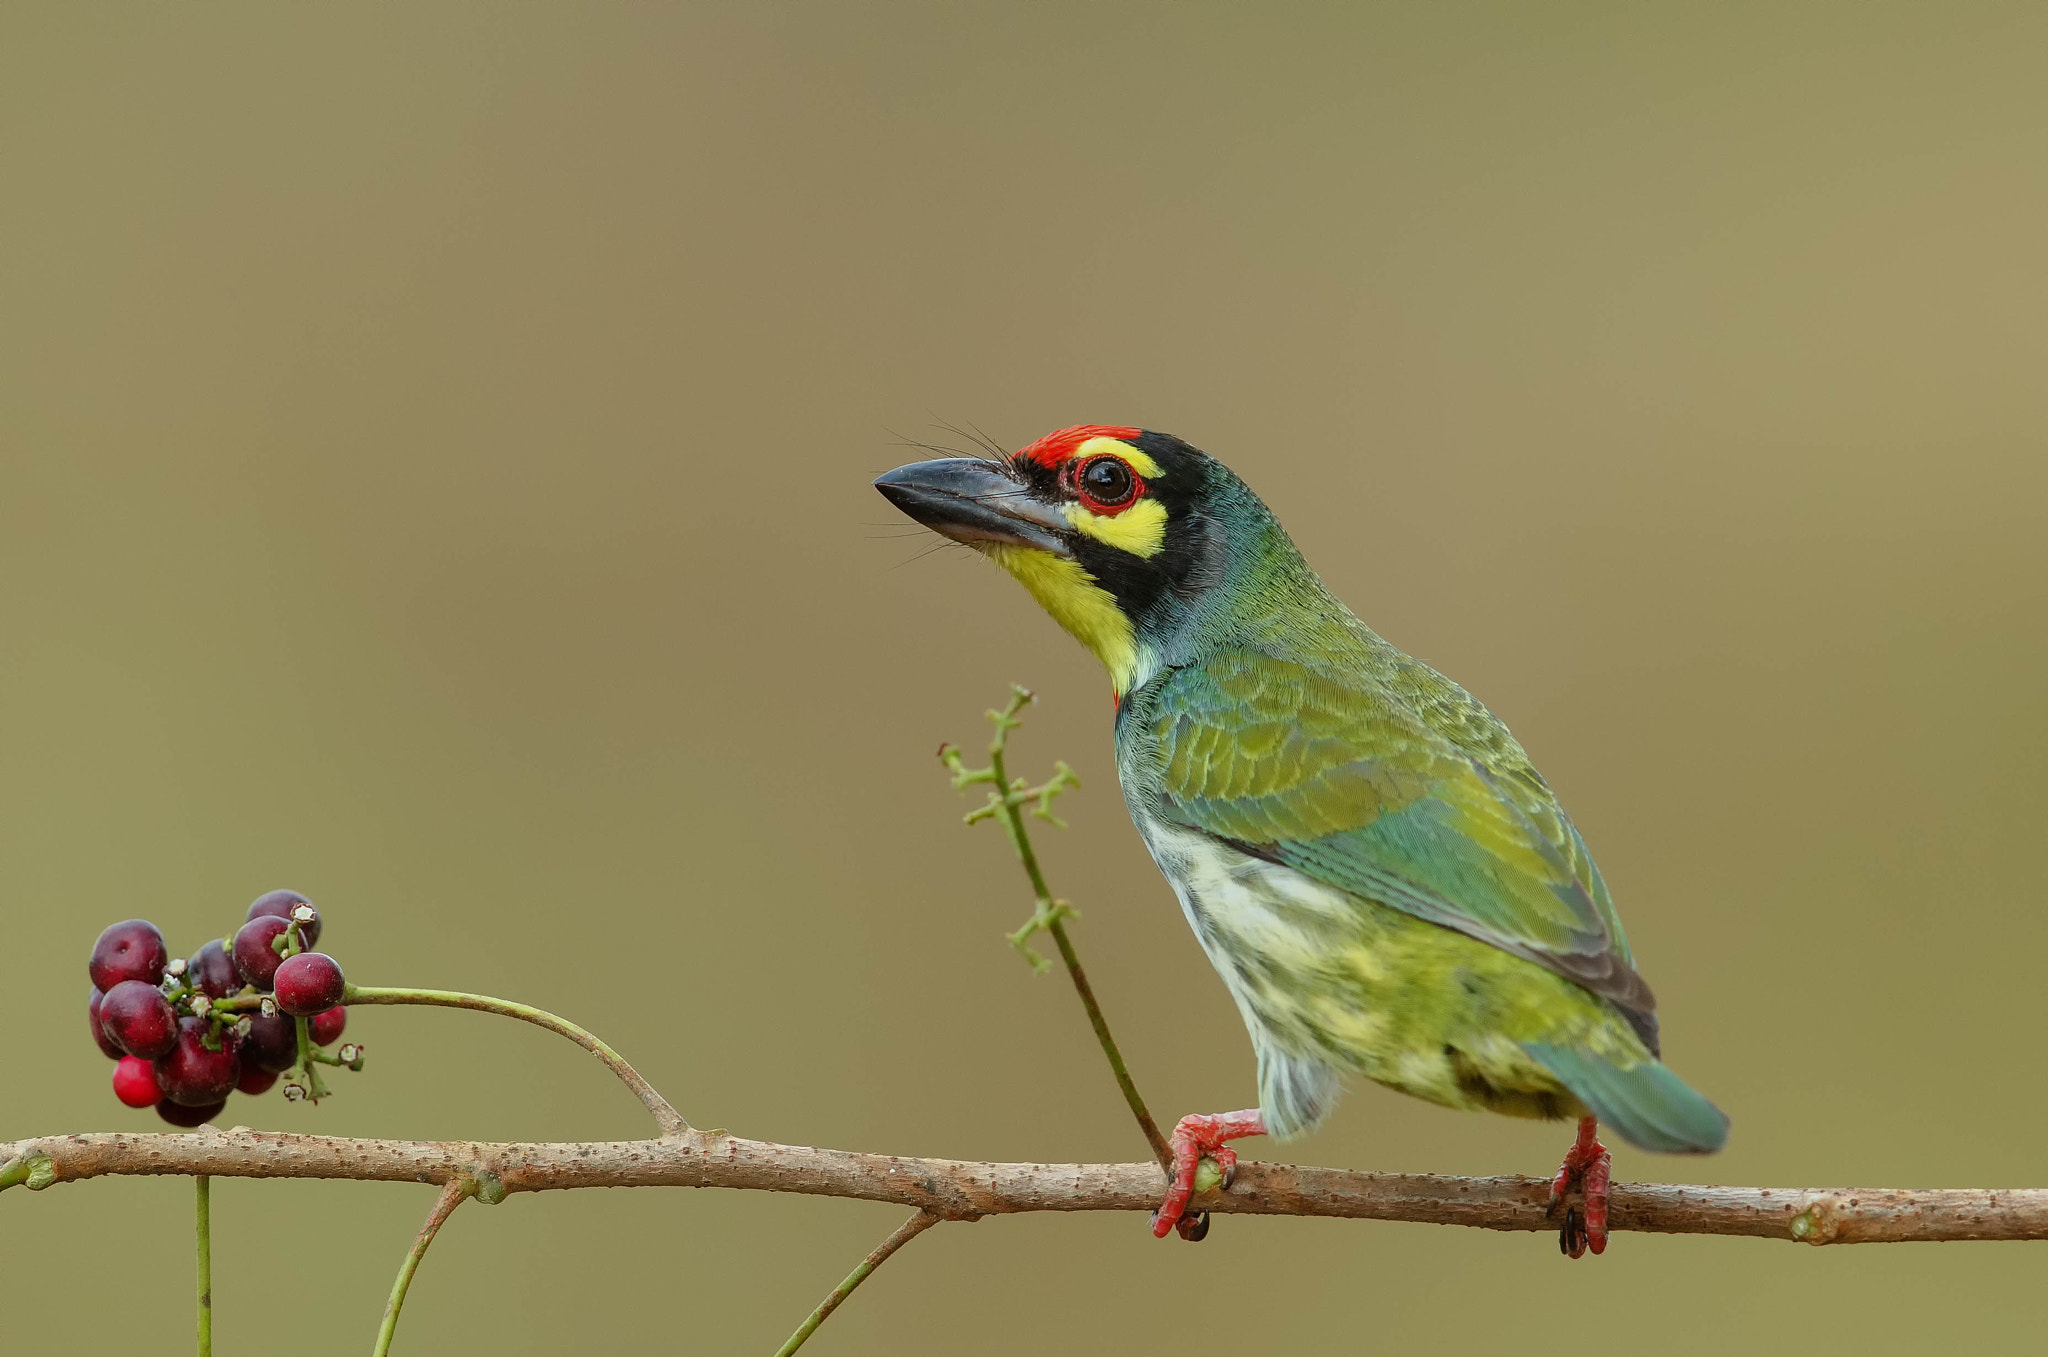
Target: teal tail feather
{"type": "Point", "coordinates": [1648, 1106]}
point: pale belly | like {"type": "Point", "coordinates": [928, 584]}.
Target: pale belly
{"type": "Point", "coordinates": [1329, 984]}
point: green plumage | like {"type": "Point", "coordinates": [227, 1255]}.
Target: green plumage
{"type": "Point", "coordinates": [1384, 882]}
{"type": "Point", "coordinates": [1450, 935]}
{"type": "Point", "coordinates": [1648, 1104]}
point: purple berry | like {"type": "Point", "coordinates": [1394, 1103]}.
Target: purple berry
{"type": "Point", "coordinates": [213, 971]}
{"type": "Point", "coordinates": [272, 1043]}
{"type": "Point", "coordinates": [132, 950]}
{"type": "Point", "coordinates": [324, 1029]}
{"type": "Point", "coordinates": [137, 1018]}
{"type": "Point", "coordinates": [135, 1082]}
{"type": "Point", "coordinates": [177, 1114]}
{"type": "Point", "coordinates": [256, 956]}
{"type": "Point", "coordinates": [254, 1080]}
{"type": "Point", "coordinates": [309, 984]}
{"type": "Point", "coordinates": [99, 1034]}
{"type": "Point", "coordinates": [281, 904]}
{"type": "Point", "coordinates": [193, 1076]}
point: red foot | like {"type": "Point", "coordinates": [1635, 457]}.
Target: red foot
{"type": "Point", "coordinates": [1194, 1138]}
{"type": "Point", "coordinates": [1586, 1168]}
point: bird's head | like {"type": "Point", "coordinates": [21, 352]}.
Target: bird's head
{"type": "Point", "coordinates": [1123, 535]}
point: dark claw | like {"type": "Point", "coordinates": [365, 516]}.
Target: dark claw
{"type": "Point", "coordinates": [1229, 1176]}
{"type": "Point", "coordinates": [1571, 1239]}
{"type": "Point", "coordinates": [1193, 1227]}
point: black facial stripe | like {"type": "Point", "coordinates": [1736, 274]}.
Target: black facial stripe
{"type": "Point", "coordinates": [1133, 580]}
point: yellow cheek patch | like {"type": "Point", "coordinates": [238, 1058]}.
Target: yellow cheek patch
{"type": "Point", "coordinates": [1140, 529]}
{"type": "Point", "coordinates": [1077, 603]}
{"type": "Point", "coordinates": [1116, 447]}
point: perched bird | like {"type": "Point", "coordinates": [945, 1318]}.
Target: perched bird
{"type": "Point", "coordinates": [1384, 882]}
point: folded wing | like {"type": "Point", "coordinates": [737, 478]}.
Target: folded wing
{"type": "Point", "coordinates": [1394, 784]}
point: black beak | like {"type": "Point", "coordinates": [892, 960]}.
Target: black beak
{"type": "Point", "coordinates": [971, 501]}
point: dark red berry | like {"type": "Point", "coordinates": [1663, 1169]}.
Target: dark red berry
{"type": "Point", "coordinates": [309, 984]}
{"type": "Point", "coordinates": [212, 971]}
{"type": "Point", "coordinates": [133, 950]}
{"type": "Point", "coordinates": [272, 1043]}
{"type": "Point", "coordinates": [254, 1080]}
{"type": "Point", "coordinates": [256, 956]}
{"type": "Point", "coordinates": [194, 1076]}
{"type": "Point", "coordinates": [177, 1114]}
{"type": "Point", "coordinates": [281, 904]}
{"type": "Point", "coordinates": [99, 1034]}
{"type": "Point", "coordinates": [137, 1018]}
{"type": "Point", "coordinates": [325, 1028]}
{"type": "Point", "coordinates": [135, 1082]}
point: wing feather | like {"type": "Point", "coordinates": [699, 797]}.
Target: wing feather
{"type": "Point", "coordinates": [1393, 785]}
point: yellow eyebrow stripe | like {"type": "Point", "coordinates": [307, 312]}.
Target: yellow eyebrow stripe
{"type": "Point", "coordinates": [1116, 447]}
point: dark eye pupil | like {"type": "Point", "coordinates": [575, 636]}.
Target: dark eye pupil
{"type": "Point", "coordinates": [1106, 479]}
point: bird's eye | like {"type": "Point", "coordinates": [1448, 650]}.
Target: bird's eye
{"type": "Point", "coordinates": [1106, 483]}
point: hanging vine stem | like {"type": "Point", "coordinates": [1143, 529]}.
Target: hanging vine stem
{"type": "Point", "coordinates": [901, 1235]}
{"type": "Point", "coordinates": [204, 1222]}
{"type": "Point", "coordinates": [453, 1195]}
{"type": "Point", "coordinates": [666, 1117]}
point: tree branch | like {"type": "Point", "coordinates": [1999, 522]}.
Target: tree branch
{"type": "Point", "coordinates": [963, 1190]}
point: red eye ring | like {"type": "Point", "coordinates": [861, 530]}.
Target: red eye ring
{"type": "Point", "coordinates": [1105, 484]}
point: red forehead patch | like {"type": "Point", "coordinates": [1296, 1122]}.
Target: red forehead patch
{"type": "Point", "coordinates": [1057, 447]}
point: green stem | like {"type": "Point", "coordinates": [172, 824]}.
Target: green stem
{"type": "Point", "coordinates": [315, 1086]}
{"type": "Point", "coordinates": [665, 1116]}
{"type": "Point", "coordinates": [903, 1234]}
{"type": "Point", "coordinates": [1160, 1150]}
{"type": "Point", "coordinates": [1012, 816]}
{"type": "Point", "coordinates": [450, 1198]}
{"type": "Point", "coordinates": [205, 1265]}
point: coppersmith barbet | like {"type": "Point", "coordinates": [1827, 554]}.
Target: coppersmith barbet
{"type": "Point", "coordinates": [1385, 884]}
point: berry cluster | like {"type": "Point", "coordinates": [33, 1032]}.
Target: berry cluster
{"type": "Point", "coordinates": [237, 1014]}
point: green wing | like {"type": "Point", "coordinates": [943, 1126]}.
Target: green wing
{"type": "Point", "coordinates": [1391, 782]}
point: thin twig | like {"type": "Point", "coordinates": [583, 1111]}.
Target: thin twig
{"type": "Point", "coordinates": [963, 1190]}
{"type": "Point", "coordinates": [451, 1197]}
{"type": "Point", "coordinates": [901, 1235]}
{"type": "Point", "coordinates": [666, 1117]}
{"type": "Point", "coordinates": [1006, 802]}
{"type": "Point", "coordinates": [205, 1232]}
{"type": "Point", "coordinates": [1160, 1150]}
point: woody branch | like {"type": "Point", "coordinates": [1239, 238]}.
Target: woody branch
{"type": "Point", "coordinates": [966, 1190]}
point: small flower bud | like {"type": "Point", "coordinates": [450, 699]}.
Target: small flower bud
{"type": "Point", "coordinates": [201, 1005]}
{"type": "Point", "coordinates": [269, 1007]}
{"type": "Point", "coordinates": [294, 1093]}
{"type": "Point", "coordinates": [176, 967]}
{"type": "Point", "coordinates": [304, 914]}
{"type": "Point", "coordinates": [243, 1024]}
{"type": "Point", "coordinates": [348, 1054]}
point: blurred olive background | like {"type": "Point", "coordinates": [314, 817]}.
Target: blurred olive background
{"type": "Point", "coordinates": [436, 450]}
